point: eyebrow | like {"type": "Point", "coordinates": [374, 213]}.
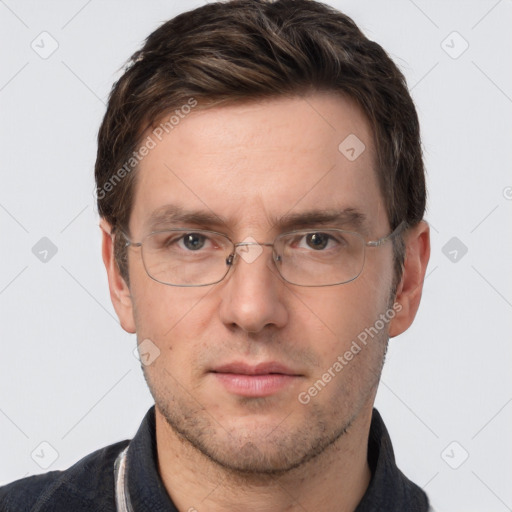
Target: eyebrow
{"type": "Point", "coordinates": [172, 215]}
{"type": "Point", "coordinates": [345, 218]}
{"type": "Point", "coordinates": [169, 216]}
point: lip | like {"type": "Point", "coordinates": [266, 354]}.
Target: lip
{"type": "Point", "coordinates": [242, 368]}
{"type": "Point", "coordinates": [261, 380]}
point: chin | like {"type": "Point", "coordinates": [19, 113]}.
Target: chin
{"type": "Point", "coordinates": [253, 444]}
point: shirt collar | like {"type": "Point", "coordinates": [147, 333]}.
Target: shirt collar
{"type": "Point", "coordinates": [145, 487]}
{"type": "Point", "coordinates": [389, 488]}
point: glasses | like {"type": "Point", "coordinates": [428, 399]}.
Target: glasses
{"type": "Point", "coordinates": [311, 257]}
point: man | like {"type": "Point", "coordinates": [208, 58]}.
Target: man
{"type": "Point", "coordinates": [261, 192]}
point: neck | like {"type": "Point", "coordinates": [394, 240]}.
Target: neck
{"type": "Point", "coordinates": [334, 480]}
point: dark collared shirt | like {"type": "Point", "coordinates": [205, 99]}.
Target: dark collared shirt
{"type": "Point", "coordinates": [89, 485]}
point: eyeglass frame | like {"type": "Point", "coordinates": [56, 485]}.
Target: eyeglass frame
{"type": "Point", "coordinates": [230, 260]}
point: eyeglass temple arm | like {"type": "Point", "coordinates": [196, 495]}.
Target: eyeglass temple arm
{"type": "Point", "coordinates": [376, 243]}
{"type": "Point", "coordinates": [125, 236]}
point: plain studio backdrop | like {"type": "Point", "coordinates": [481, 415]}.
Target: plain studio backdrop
{"type": "Point", "coordinates": [69, 381]}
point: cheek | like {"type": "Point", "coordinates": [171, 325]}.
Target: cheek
{"type": "Point", "coordinates": [354, 344]}
{"type": "Point", "coordinates": [348, 309]}
{"type": "Point", "coordinates": [160, 309]}
{"type": "Point", "coordinates": [173, 322]}
{"type": "Point", "coordinates": [172, 318]}
{"type": "Point", "coordinates": [345, 313]}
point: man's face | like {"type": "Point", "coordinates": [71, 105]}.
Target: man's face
{"type": "Point", "coordinates": [252, 167]}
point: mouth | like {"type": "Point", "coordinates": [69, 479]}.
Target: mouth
{"type": "Point", "coordinates": [256, 381]}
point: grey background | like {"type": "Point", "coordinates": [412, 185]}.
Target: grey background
{"type": "Point", "coordinates": [68, 376]}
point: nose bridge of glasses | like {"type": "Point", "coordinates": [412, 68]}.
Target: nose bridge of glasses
{"type": "Point", "coordinates": [247, 255]}
{"type": "Point", "coordinates": [243, 244]}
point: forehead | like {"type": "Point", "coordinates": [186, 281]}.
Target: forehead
{"type": "Point", "coordinates": [250, 164]}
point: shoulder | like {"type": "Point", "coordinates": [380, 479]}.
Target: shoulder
{"type": "Point", "coordinates": [87, 485]}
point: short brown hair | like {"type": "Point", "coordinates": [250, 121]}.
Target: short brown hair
{"type": "Point", "coordinates": [243, 50]}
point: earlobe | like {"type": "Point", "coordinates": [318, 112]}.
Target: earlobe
{"type": "Point", "coordinates": [408, 293]}
{"type": "Point", "coordinates": [119, 290]}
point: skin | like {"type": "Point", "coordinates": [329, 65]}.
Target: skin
{"type": "Point", "coordinates": [250, 164]}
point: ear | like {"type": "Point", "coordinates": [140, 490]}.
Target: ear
{"type": "Point", "coordinates": [119, 291]}
{"type": "Point", "coordinates": [408, 294]}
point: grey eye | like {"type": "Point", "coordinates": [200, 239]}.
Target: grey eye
{"type": "Point", "coordinates": [193, 241]}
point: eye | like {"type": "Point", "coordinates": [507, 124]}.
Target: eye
{"type": "Point", "coordinates": [193, 241]}
{"type": "Point", "coordinates": [180, 242]}
{"type": "Point", "coordinates": [317, 241]}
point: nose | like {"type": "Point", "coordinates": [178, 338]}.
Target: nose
{"type": "Point", "coordinates": [253, 293]}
